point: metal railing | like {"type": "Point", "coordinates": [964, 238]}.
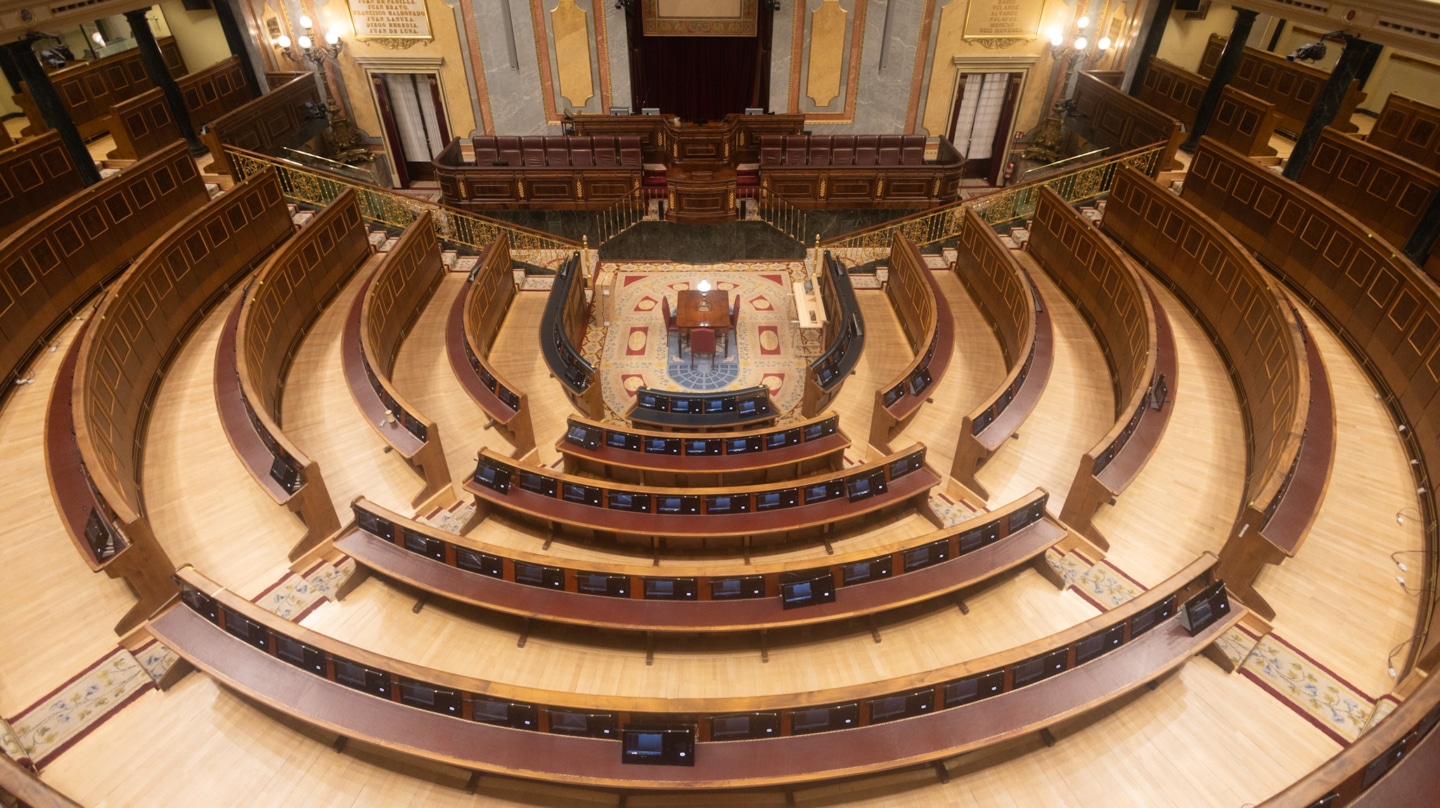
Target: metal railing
{"type": "Point", "coordinates": [627, 211]}
{"type": "Point", "coordinates": [1079, 158]}
{"type": "Point", "coordinates": [776, 211]}
{"type": "Point", "coordinates": [1004, 205]}
{"type": "Point", "coordinates": [303, 185]}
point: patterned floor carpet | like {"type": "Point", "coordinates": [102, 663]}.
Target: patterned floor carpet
{"type": "Point", "coordinates": [635, 350]}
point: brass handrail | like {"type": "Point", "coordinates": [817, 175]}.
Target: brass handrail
{"type": "Point", "coordinates": [626, 212]}
{"type": "Point", "coordinates": [1003, 205]}
{"type": "Point", "coordinates": [1052, 166]}
{"type": "Point", "coordinates": [778, 212]}
{"type": "Point", "coordinates": [305, 185]}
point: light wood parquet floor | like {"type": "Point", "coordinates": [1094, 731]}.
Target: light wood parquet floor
{"type": "Point", "coordinates": [1244, 743]}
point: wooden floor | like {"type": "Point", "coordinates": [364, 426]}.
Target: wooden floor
{"type": "Point", "coordinates": [1200, 738]}
{"type": "Point", "coordinates": [1186, 498]}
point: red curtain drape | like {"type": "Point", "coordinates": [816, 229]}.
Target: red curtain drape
{"type": "Point", "coordinates": [700, 78]}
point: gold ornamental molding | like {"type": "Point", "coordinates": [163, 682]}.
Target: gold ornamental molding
{"type": "Point", "coordinates": [570, 26]}
{"type": "Point", "coordinates": [394, 43]}
{"type": "Point", "coordinates": [827, 52]}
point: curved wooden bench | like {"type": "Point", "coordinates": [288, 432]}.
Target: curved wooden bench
{"type": "Point", "coordinates": [475, 319]}
{"type": "Point", "coordinates": [1261, 340]}
{"type": "Point", "coordinates": [742, 598]}
{"type": "Point", "coordinates": [35, 174]}
{"type": "Point", "coordinates": [562, 328]}
{"type": "Point", "coordinates": [1380, 304]}
{"type": "Point", "coordinates": [1408, 128]}
{"type": "Point", "coordinates": [1291, 86]}
{"type": "Point", "coordinates": [1240, 120]}
{"type": "Point", "coordinates": [843, 336]}
{"type": "Point", "coordinates": [1381, 189]}
{"type": "Point", "coordinates": [1134, 336]}
{"type": "Point", "coordinates": [665, 458]}
{"type": "Point", "coordinates": [91, 89]}
{"type": "Point", "coordinates": [383, 313]}
{"type": "Point", "coordinates": [128, 345]}
{"type": "Point", "coordinates": [930, 329]}
{"type": "Point", "coordinates": [282, 304]}
{"type": "Point", "coordinates": [141, 124]}
{"type": "Point", "coordinates": [55, 263]}
{"type": "Point", "coordinates": [1106, 116]}
{"type": "Point", "coordinates": [1004, 294]}
{"type": "Point", "coordinates": [278, 118]}
{"type": "Point", "coordinates": [678, 516]}
{"type": "Point", "coordinates": [786, 738]}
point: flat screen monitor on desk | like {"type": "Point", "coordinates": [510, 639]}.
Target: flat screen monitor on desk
{"type": "Point", "coordinates": [744, 726]}
{"type": "Point", "coordinates": [658, 747]}
{"type": "Point", "coordinates": [807, 589]}
{"type": "Point", "coordinates": [504, 713]}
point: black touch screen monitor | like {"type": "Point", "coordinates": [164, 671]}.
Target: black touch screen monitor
{"type": "Point", "coordinates": [370, 523]}
{"type": "Point", "coordinates": [581, 435]}
{"type": "Point", "coordinates": [539, 575]}
{"type": "Point", "coordinates": [974, 688]}
{"type": "Point", "coordinates": [662, 446]}
{"type": "Point", "coordinates": [493, 476]}
{"type": "Point", "coordinates": [975, 538]}
{"type": "Point", "coordinates": [628, 501]}
{"type": "Point", "coordinates": [482, 563]}
{"type": "Point", "coordinates": [421, 544]}
{"type": "Point", "coordinates": [744, 726]}
{"type": "Point", "coordinates": [715, 406]}
{"type": "Point", "coordinates": [621, 440]}
{"type": "Point", "coordinates": [582, 494]}
{"type": "Point", "coordinates": [806, 589]}
{"type": "Point", "coordinates": [658, 747]}
{"type": "Point", "coordinates": [359, 677]}
{"type": "Point", "coordinates": [748, 406]}
{"type": "Point", "coordinates": [670, 589]}
{"type": "Point", "coordinates": [504, 713]}
{"type": "Point", "coordinates": [727, 503]}
{"type": "Point", "coordinates": [599, 583]}
{"type": "Point", "coordinates": [859, 572]}
{"type": "Point", "coordinates": [246, 629]}
{"type": "Point", "coordinates": [742, 445]}
{"type": "Point", "coordinates": [648, 401]}
{"type": "Point", "coordinates": [749, 586]}
{"type": "Point", "coordinates": [538, 483]}
{"type": "Point", "coordinates": [300, 655]}
{"type": "Point", "coordinates": [429, 697]}
{"type": "Point", "coordinates": [1149, 618]}
{"type": "Point", "coordinates": [590, 725]}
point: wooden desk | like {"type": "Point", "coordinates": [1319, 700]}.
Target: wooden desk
{"type": "Point", "coordinates": [701, 193]}
{"type": "Point", "coordinates": [696, 309]}
{"type": "Point", "coordinates": [868, 742]}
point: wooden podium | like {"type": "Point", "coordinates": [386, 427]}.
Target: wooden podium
{"type": "Point", "coordinates": [701, 193]}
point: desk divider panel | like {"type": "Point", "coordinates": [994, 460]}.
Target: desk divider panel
{"type": "Point", "coordinates": [703, 598]}
{"type": "Point", "coordinates": [1003, 293]}
{"type": "Point", "coordinates": [929, 327]}
{"type": "Point", "coordinates": [131, 339]}
{"type": "Point", "coordinates": [790, 737]}
{"type": "Point", "coordinates": [1260, 339]}
{"type": "Point", "coordinates": [1114, 300]}
{"type": "Point", "coordinates": [287, 296]}
{"type": "Point", "coordinates": [486, 300]}
{"type": "Point", "coordinates": [388, 308]}
{"type": "Point", "coordinates": [56, 262]}
{"type": "Point", "coordinates": [1105, 116]}
{"type": "Point", "coordinates": [1378, 302]}
{"type": "Point", "coordinates": [90, 90]}
{"type": "Point", "coordinates": [266, 123]}
{"type": "Point", "coordinates": [35, 173]}
{"type": "Point", "coordinates": [1292, 87]}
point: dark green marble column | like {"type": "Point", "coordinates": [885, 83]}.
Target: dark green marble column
{"type": "Point", "coordinates": [52, 109]}
{"type": "Point", "coordinates": [159, 74]}
{"type": "Point", "coordinates": [1357, 54]}
{"type": "Point", "coordinates": [1224, 72]}
{"type": "Point", "coordinates": [235, 38]}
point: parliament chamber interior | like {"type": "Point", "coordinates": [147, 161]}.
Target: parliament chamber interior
{"type": "Point", "coordinates": [973, 402]}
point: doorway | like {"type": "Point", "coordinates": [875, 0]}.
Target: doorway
{"type": "Point", "coordinates": [412, 114]}
{"type": "Point", "coordinates": [981, 121]}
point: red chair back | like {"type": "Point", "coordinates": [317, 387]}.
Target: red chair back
{"type": "Point", "coordinates": [670, 324]}
{"type": "Point", "coordinates": [702, 341]}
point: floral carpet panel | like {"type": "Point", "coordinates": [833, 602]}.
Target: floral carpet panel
{"type": "Point", "coordinates": [636, 351]}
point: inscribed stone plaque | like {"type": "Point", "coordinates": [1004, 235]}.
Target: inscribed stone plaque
{"type": "Point", "coordinates": [390, 19]}
{"type": "Point", "coordinates": [1003, 19]}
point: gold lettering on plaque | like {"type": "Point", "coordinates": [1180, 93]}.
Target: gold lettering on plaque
{"type": "Point", "coordinates": [390, 20]}
{"type": "Point", "coordinates": [992, 21]}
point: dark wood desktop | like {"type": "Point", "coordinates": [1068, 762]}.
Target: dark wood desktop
{"type": "Point", "coordinates": [697, 309]}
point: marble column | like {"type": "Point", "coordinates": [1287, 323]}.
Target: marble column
{"type": "Point", "coordinates": [1224, 72]}
{"type": "Point", "coordinates": [52, 109]}
{"type": "Point", "coordinates": [1427, 230]}
{"type": "Point", "coordinates": [159, 73]}
{"type": "Point", "coordinates": [1150, 45]}
{"type": "Point", "coordinates": [1356, 55]}
{"type": "Point", "coordinates": [9, 70]}
{"type": "Point", "coordinates": [235, 38]}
